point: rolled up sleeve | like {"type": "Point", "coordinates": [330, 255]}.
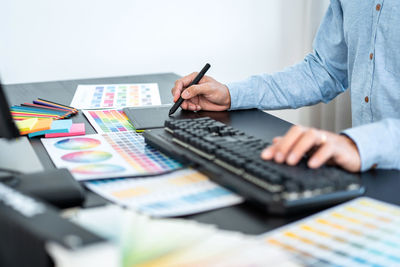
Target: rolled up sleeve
{"type": "Point", "coordinates": [321, 76]}
{"type": "Point", "coordinates": [378, 144]}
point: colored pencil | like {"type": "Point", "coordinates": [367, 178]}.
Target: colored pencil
{"type": "Point", "coordinates": [39, 110]}
{"type": "Point", "coordinates": [42, 106]}
{"type": "Point", "coordinates": [65, 114]}
{"type": "Point", "coordinates": [61, 112]}
{"type": "Point", "coordinates": [54, 104]}
{"type": "Point", "coordinates": [35, 115]}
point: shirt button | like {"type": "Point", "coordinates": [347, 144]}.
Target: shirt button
{"type": "Point", "coordinates": [366, 99]}
{"type": "Point", "coordinates": [371, 56]}
{"type": "Point", "coordinates": [378, 7]}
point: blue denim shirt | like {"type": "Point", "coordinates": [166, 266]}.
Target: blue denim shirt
{"type": "Point", "coordinates": [357, 47]}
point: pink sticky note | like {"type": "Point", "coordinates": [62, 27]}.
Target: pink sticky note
{"type": "Point", "coordinates": [76, 129]}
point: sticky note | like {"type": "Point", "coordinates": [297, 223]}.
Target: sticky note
{"type": "Point", "coordinates": [57, 126]}
{"type": "Point", "coordinates": [76, 129]}
{"type": "Point", "coordinates": [25, 126]}
{"type": "Point", "coordinates": [61, 126]}
{"type": "Point", "coordinates": [42, 124]}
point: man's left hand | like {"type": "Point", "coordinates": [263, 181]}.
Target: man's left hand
{"type": "Point", "coordinates": [325, 147]}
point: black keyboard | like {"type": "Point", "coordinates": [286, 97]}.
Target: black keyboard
{"type": "Point", "coordinates": [232, 158]}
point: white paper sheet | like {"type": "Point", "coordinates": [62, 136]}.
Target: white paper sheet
{"type": "Point", "coordinates": [116, 96]}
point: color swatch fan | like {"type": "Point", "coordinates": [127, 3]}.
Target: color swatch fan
{"type": "Point", "coordinates": [362, 232]}
{"type": "Point", "coordinates": [177, 242]}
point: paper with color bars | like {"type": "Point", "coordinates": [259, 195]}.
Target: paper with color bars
{"type": "Point", "coordinates": [97, 156]}
{"type": "Point", "coordinates": [108, 120]}
{"type": "Point", "coordinates": [362, 232]}
{"type": "Point", "coordinates": [178, 193]}
{"type": "Point", "coordinates": [104, 96]}
{"type": "Point", "coordinates": [177, 242]}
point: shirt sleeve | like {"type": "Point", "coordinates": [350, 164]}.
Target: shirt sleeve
{"type": "Point", "coordinates": [378, 144]}
{"type": "Point", "coordinates": [321, 76]}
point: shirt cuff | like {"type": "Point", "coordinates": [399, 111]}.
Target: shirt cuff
{"type": "Point", "coordinates": [242, 95]}
{"type": "Point", "coordinates": [368, 144]}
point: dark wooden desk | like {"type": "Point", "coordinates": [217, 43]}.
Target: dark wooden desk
{"type": "Point", "coordinates": [383, 185]}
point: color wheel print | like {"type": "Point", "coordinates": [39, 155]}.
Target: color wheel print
{"type": "Point", "coordinates": [97, 169]}
{"type": "Point", "coordinates": [87, 156]}
{"type": "Point", "coordinates": [77, 143]}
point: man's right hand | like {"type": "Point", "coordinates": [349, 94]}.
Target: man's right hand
{"type": "Point", "coordinates": [208, 94]}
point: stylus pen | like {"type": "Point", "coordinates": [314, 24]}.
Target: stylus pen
{"type": "Point", "coordinates": [195, 81]}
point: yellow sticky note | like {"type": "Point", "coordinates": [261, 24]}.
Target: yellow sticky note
{"type": "Point", "coordinates": [24, 126]}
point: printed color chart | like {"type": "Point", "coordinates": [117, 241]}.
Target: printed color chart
{"type": "Point", "coordinates": [116, 96]}
{"type": "Point", "coordinates": [362, 232]}
{"type": "Point", "coordinates": [96, 156]}
{"type": "Point", "coordinates": [143, 158]}
{"type": "Point", "coordinates": [108, 120]}
{"type": "Point", "coordinates": [88, 157]}
{"type": "Point", "coordinates": [179, 193]}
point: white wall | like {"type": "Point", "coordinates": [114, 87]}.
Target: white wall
{"type": "Point", "coordinates": [51, 40]}
{"type": "Point", "coordinates": [58, 39]}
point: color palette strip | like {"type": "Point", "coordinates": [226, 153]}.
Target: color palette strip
{"type": "Point", "coordinates": [179, 193]}
{"type": "Point", "coordinates": [108, 121]}
{"type": "Point", "coordinates": [362, 232]}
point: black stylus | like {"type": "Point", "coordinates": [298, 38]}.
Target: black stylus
{"type": "Point", "coordinates": [195, 81]}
